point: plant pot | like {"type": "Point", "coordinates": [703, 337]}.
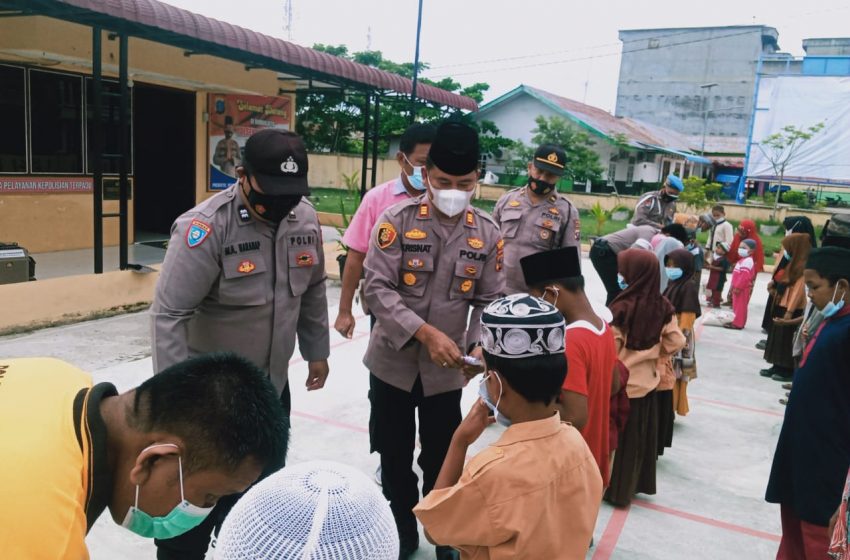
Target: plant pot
{"type": "Point", "coordinates": [341, 260]}
{"type": "Point", "coordinates": [765, 229]}
{"type": "Point", "coordinates": [620, 215]}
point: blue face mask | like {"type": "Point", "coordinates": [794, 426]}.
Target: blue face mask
{"type": "Point", "coordinates": [179, 520]}
{"type": "Point", "coordinates": [485, 396]}
{"type": "Point", "coordinates": [787, 254]}
{"type": "Point", "coordinates": [832, 307]}
{"type": "Point", "coordinates": [415, 180]}
{"type": "Point", "coordinates": [673, 273]}
{"type": "Point", "coordinates": [622, 282]}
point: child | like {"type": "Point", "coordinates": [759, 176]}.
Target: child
{"type": "Point", "coordinates": [534, 493]}
{"type": "Point", "coordinates": [317, 509]}
{"type": "Point", "coordinates": [813, 451]}
{"type": "Point", "coordinates": [743, 278]}
{"type": "Point", "coordinates": [718, 267]}
{"type": "Point", "coordinates": [585, 402]}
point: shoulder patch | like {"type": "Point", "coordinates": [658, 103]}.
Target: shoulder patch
{"type": "Point", "coordinates": [197, 233]}
{"type": "Point", "coordinates": [385, 235]}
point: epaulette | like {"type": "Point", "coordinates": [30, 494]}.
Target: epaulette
{"type": "Point", "coordinates": [212, 205]}
{"type": "Point", "coordinates": [395, 209]}
{"type": "Point", "coordinates": [487, 457]}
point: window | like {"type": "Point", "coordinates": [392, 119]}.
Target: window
{"type": "Point", "coordinates": [13, 115]}
{"type": "Point", "coordinates": [630, 173]}
{"type": "Point", "coordinates": [56, 122]}
{"type": "Point", "coordinates": [111, 130]}
{"type": "Point", "coordinates": [612, 172]}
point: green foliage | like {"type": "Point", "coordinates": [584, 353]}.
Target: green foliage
{"type": "Point", "coordinates": [351, 182]}
{"type": "Point", "coordinates": [781, 148]}
{"type": "Point", "coordinates": [333, 122]}
{"type": "Point", "coordinates": [795, 198]}
{"type": "Point", "coordinates": [582, 160]}
{"type": "Point", "coordinates": [699, 193]}
{"type": "Point", "coordinates": [600, 216]}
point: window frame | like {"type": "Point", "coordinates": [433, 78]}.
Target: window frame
{"type": "Point", "coordinates": [27, 112]}
{"type": "Point", "coordinates": [32, 170]}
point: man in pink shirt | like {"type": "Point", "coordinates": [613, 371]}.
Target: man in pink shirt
{"type": "Point", "coordinates": [411, 157]}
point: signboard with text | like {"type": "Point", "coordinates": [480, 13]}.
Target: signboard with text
{"type": "Point", "coordinates": [232, 119]}
{"type": "Point", "coordinates": [45, 185]}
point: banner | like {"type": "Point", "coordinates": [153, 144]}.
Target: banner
{"type": "Point", "coordinates": [233, 118]}
{"type": "Point", "coordinates": [45, 185]}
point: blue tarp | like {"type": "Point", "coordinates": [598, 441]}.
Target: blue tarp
{"type": "Point", "coordinates": [726, 178]}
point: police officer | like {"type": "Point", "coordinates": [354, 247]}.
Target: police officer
{"type": "Point", "coordinates": [535, 218]}
{"type": "Point", "coordinates": [245, 272]}
{"type": "Point", "coordinates": [657, 208]}
{"type": "Point", "coordinates": [603, 254]}
{"type": "Point", "coordinates": [430, 261]}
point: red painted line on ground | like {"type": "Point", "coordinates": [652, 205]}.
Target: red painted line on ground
{"type": "Point", "coordinates": [337, 344]}
{"type": "Point", "coordinates": [608, 542]}
{"type": "Point", "coordinates": [330, 422]}
{"type": "Point", "coordinates": [707, 521]}
{"type": "Point", "coordinates": [736, 406]}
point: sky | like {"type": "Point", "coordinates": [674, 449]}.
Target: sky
{"type": "Point", "coordinates": [567, 48]}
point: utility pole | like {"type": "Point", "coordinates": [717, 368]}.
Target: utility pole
{"type": "Point", "coordinates": [287, 26]}
{"type": "Point", "coordinates": [707, 90]}
{"type": "Point", "coordinates": [415, 66]}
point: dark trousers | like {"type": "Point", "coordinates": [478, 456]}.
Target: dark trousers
{"type": "Point", "coordinates": [193, 544]}
{"type": "Point", "coordinates": [604, 260]}
{"type": "Point", "coordinates": [392, 423]}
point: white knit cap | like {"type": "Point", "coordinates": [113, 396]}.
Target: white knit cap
{"type": "Point", "coordinates": [311, 511]}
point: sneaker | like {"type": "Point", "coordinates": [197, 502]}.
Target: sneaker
{"type": "Point", "coordinates": [786, 386]}
{"type": "Point", "coordinates": [761, 344]}
{"type": "Point", "coordinates": [785, 377]}
{"type": "Point", "coordinates": [378, 480]}
{"type": "Point", "coordinates": [769, 372]}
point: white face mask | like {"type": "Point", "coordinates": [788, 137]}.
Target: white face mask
{"type": "Point", "coordinates": [743, 252]}
{"type": "Point", "coordinates": [450, 202]}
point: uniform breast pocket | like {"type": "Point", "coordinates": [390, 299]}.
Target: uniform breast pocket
{"type": "Point", "coordinates": [416, 272]}
{"type": "Point", "coordinates": [463, 283]}
{"type": "Point", "coordinates": [544, 232]}
{"type": "Point", "coordinates": [245, 281]}
{"type": "Point", "coordinates": [302, 262]}
{"type": "Point", "coordinates": [509, 225]}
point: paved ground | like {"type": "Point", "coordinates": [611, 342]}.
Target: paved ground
{"type": "Point", "coordinates": [710, 484]}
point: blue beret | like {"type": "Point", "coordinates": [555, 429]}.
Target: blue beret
{"type": "Point", "coordinates": [675, 182]}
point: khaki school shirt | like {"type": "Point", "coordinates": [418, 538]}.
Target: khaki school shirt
{"type": "Point", "coordinates": [232, 282]}
{"type": "Point", "coordinates": [419, 272]}
{"type": "Point", "coordinates": [529, 228]}
{"type": "Point", "coordinates": [533, 494]}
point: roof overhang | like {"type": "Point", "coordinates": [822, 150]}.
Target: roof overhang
{"type": "Point", "coordinates": [196, 34]}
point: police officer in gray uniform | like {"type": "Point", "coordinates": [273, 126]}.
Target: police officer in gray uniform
{"type": "Point", "coordinates": [430, 261]}
{"type": "Point", "coordinates": [245, 272]}
{"type": "Point", "coordinates": [657, 208]}
{"type": "Point", "coordinates": [535, 218]}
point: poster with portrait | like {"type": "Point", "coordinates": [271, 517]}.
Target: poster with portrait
{"type": "Point", "coordinates": [232, 119]}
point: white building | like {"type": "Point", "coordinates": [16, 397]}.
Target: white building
{"type": "Point", "coordinates": [634, 155]}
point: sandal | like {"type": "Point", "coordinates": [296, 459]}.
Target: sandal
{"type": "Point", "coordinates": [731, 326]}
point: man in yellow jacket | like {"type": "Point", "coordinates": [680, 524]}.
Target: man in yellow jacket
{"type": "Point", "coordinates": [158, 456]}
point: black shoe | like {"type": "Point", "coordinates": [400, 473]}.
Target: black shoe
{"type": "Point", "coordinates": [768, 372]}
{"type": "Point", "coordinates": [784, 377]}
{"type": "Point", "coordinates": [761, 344]}
{"type": "Point", "coordinates": [447, 553]}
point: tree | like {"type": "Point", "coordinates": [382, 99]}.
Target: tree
{"type": "Point", "coordinates": [781, 148]}
{"type": "Point", "coordinates": [582, 161]}
{"type": "Point", "coordinates": [333, 122]}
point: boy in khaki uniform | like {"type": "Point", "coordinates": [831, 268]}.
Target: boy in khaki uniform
{"type": "Point", "coordinates": [535, 493]}
{"type": "Point", "coordinates": [536, 218]}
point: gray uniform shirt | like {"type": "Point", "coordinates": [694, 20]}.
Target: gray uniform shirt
{"type": "Point", "coordinates": [531, 228]}
{"type": "Point", "coordinates": [417, 273]}
{"type": "Point", "coordinates": [625, 238]}
{"type": "Point", "coordinates": [652, 209]}
{"type": "Point", "coordinates": [230, 282]}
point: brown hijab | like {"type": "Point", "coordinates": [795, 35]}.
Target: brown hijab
{"type": "Point", "coordinates": [799, 245]}
{"type": "Point", "coordinates": [640, 311]}
{"type": "Point", "coordinates": [684, 292]}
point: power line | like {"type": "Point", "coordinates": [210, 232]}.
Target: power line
{"type": "Point", "coordinates": [617, 44]}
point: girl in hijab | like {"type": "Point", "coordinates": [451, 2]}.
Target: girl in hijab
{"type": "Point", "coordinates": [684, 296]}
{"type": "Point", "coordinates": [675, 236]}
{"type": "Point", "coordinates": [748, 230]}
{"type": "Point", "coordinates": [646, 331]}
{"type": "Point", "coordinates": [776, 286]}
{"type": "Point", "coordinates": [788, 309]}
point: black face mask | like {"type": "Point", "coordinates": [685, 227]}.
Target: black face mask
{"type": "Point", "coordinates": [540, 187]}
{"type": "Point", "coordinates": [271, 208]}
{"type": "Point", "coordinates": [670, 197]}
